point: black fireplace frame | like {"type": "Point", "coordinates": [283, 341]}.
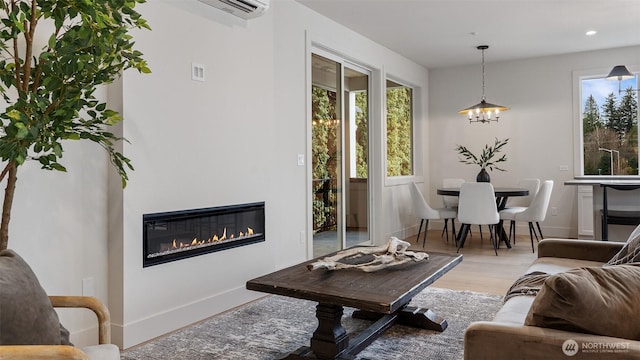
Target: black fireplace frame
{"type": "Point", "coordinates": [195, 213]}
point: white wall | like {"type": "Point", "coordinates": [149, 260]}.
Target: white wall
{"type": "Point", "coordinates": [57, 225]}
{"type": "Point", "coordinates": [540, 124]}
{"type": "Point", "coordinates": [231, 139]}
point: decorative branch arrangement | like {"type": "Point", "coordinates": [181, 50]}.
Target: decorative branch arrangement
{"type": "Point", "coordinates": [485, 160]}
{"type": "Point", "coordinates": [393, 254]}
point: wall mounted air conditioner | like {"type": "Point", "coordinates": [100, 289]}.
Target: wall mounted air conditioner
{"type": "Point", "coordinates": [246, 9]}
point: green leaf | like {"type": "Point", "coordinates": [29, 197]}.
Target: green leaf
{"type": "Point", "coordinates": [52, 41]}
{"type": "Point", "coordinates": [20, 159]}
{"type": "Point", "coordinates": [57, 149]}
{"type": "Point", "coordinates": [14, 115]}
{"type": "Point", "coordinates": [23, 131]}
{"type": "Point", "coordinates": [56, 166]}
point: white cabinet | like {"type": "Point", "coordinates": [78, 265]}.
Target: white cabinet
{"type": "Point", "coordinates": [585, 211]}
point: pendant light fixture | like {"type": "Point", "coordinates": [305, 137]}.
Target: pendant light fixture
{"type": "Point", "coordinates": [483, 112]}
{"type": "Point", "coordinates": [620, 72]}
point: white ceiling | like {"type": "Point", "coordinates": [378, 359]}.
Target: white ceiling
{"type": "Point", "coordinates": [442, 33]}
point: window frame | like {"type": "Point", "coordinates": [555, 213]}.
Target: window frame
{"type": "Point", "coordinates": [578, 143]}
{"type": "Point", "coordinates": [416, 168]}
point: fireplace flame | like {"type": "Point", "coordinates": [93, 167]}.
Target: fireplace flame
{"type": "Point", "coordinates": [215, 238]}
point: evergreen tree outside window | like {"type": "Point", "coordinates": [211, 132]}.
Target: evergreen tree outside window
{"type": "Point", "coordinates": [399, 130]}
{"type": "Point", "coordinates": [609, 127]}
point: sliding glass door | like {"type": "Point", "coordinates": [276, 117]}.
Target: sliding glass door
{"type": "Point", "coordinates": [339, 154]}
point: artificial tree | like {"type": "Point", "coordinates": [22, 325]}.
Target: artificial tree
{"type": "Point", "coordinates": [49, 88]}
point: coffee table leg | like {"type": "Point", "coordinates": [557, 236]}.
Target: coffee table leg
{"type": "Point", "coordinates": [410, 316]}
{"type": "Point", "coordinates": [330, 338]}
{"type": "Point", "coordinates": [422, 318]}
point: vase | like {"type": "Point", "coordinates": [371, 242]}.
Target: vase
{"type": "Point", "coordinates": [483, 176]}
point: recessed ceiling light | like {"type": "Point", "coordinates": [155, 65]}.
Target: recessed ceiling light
{"type": "Point", "coordinates": [591, 33]}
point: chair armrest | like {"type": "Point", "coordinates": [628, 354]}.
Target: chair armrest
{"type": "Point", "coordinates": [41, 352]}
{"type": "Point", "coordinates": [93, 304]}
{"type": "Point", "coordinates": [63, 352]}
{"type": "Point", "coordinates": [501, 341]}
{"type": "Point", "coordinates": [591, 250]}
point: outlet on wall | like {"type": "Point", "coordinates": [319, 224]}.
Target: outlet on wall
{"type": "Point", "coordinates": [554, 211]}
{"type": "Point", "coordinates": [197, 72]}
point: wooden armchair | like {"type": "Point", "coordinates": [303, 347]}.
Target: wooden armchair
{"type": "Point", "coordinates": [103, 351]}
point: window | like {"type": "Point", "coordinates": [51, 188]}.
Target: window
{"type": "Point", "coordinates": [399, 130]}
{"type": "Point", "coordinates": [339, 153]}
{"type": "Point", "coordinates": [609, 126]}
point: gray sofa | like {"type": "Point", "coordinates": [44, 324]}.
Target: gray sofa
{"type": "Point", "coordinates": [507, 337]}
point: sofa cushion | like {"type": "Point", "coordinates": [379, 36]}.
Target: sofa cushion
{"type": "Point", "coordinates": [630, 252]}
{"type": "Point", "coordinates": [596, 300]}
{"type": "Point", "coordinates": [554, 265]}
{"type": "Point", "coordinates": [26, 314]}
{"type": "Point", "coordinates": [514, 311]}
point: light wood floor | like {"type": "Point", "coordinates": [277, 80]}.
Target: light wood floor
{"type": "Point", "coordinates": [480, 270]}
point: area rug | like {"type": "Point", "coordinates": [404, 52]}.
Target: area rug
{"type": "Point", "coordinates": [273, 326]}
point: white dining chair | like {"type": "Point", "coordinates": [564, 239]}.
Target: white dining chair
{"type": "Point", "coordinates": [450, 202]}
{"type": "Point", "coordinates": [535, 212]}
{"type": "Point", "coordinates": [520, 203]}
{"type": "Point", "coordinates": [531, 184]}
{"type": "Point", "coordinates": [424, 212]}
{"type": "Point", "coordinates": [477, 206]}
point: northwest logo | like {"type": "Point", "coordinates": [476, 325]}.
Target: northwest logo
{"type": "Point", "coordinates": [570, 347]}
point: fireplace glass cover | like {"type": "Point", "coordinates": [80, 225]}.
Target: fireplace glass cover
{"type": "Point", "coordinates": [176, 235]}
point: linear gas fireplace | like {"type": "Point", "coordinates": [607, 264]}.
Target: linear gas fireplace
{"type": "Point", "coordinates": [176, 235]}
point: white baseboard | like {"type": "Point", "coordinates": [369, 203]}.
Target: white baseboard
{"type": "Point", "coordinates": [142, 330]}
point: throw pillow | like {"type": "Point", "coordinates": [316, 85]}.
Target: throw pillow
{"type": "Point", "coordinates": [595, 300]}
{"type": "Point", "coordinates": [631, 250]}
{"type": "Point", "coordinates": [26, 314]}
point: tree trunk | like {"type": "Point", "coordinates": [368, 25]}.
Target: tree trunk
{"type": "Point", "coordinates": [9, 191]}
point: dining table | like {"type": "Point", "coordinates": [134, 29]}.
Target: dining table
{"type": "Point", "coordinates": [502, 195]}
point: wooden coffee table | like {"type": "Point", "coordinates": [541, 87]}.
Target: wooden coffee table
{"type": "Point", "coordinates": [382, 296]}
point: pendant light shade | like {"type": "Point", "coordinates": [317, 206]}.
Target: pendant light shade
{"type": "Point", "coordinates": [620, 72]}
{"type": "Point", "coordinates": [483, 111]}
{"type": "Point", "coordinates": [483, 107]}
